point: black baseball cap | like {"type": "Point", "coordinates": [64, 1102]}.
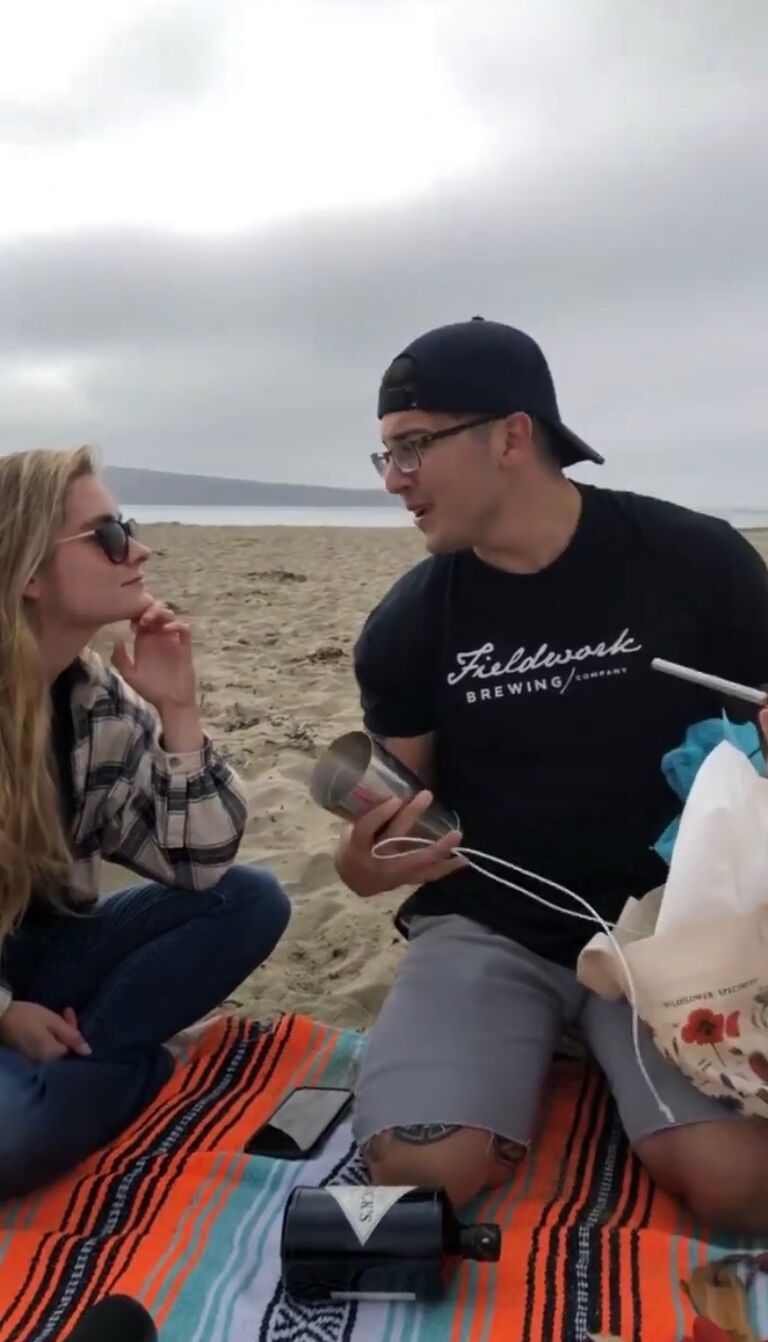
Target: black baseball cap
{"type": "Point", "coordinates": [480, 368]}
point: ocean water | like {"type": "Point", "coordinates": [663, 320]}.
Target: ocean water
{"type": "Point", "coordinates": [221, 516]}
{"type": "Point", "coordinates": [743, 518]}
{"type": "Point", "coordinates": [200, 515]}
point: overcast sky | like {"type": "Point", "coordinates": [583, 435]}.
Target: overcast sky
{"type": "Point", "coordinates": [221, 219]}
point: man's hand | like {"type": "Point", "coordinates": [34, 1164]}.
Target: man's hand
{"type": "Point", "coordinates": [39, 1034]}
{"type": "Point", "coordinates": [369, 875]}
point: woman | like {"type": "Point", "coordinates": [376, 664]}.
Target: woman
{"type": "Point", "coordinates": [112, 763]}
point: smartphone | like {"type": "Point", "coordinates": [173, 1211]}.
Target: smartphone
{"type": "Point", "coordinates": [301, 1120]}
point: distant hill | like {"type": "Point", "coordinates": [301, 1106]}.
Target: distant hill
{"type": "Point", "coordinates": [132, 485]}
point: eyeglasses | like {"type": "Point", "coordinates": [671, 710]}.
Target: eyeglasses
{"type": "Point", "coordinates": [113, 536]}
{"type": "Point", "coordinates": [406, 453]}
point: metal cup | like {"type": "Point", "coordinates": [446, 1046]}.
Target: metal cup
{"type": "Point", "coordinates": [356, 773]}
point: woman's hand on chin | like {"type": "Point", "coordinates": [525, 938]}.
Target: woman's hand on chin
{"type": "Point", "coordinates": [160, 668]}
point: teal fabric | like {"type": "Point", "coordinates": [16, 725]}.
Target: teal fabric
{"type": "Point", "coordinates": [681, 765]}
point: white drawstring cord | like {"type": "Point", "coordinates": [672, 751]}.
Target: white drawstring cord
{"type": "Point", "coordinates": [591, 916]}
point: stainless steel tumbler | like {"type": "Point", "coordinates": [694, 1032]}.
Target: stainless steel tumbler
{"type": "Point", "coordinates": [356, 773]}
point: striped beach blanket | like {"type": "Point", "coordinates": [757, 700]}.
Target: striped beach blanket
{"type": "Point", "coordinates": [176, 1215]}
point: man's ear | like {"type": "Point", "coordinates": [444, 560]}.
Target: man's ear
{"type": "Point", "coordinates": [518, 435]}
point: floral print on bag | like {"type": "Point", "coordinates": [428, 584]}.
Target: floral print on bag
{"type": "Point", "coordinates": [703, 1044]}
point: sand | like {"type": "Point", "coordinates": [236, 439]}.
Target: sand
{"type": "Point", "coordinates": [275, 612]}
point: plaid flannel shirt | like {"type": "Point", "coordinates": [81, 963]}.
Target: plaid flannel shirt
{"type": "Point", "coordinates": [176, 818]}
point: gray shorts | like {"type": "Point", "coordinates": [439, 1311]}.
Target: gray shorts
{"type": "Point", "coordinates": [468, 1031]}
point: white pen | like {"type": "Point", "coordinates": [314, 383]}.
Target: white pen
{"type": "Point", "coordinates": [730, 687]}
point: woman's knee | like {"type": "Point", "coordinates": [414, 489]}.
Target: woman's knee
{"type": "Point", "coordinates": [256, 904]}
{"type": "Point", "coordinates": [24, 1144]}
{"type": "Point", "coordinates": [55, 1114]}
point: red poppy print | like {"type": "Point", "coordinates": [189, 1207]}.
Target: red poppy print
{"type": "Point", "coordinates": [705, 1027]}
{"type": "Point", "coordinates": [704, 1330]}
{"type": "Point", "coordinates": [732, 1025]}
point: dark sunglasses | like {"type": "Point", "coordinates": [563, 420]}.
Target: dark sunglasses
{"type": "Point", "coordinates": [113, 537]}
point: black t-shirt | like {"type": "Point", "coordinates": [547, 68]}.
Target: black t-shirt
{"type": "Point", "coordinates": [550, 724]}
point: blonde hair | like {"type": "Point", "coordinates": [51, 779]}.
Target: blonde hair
{"type": "Point", "coordinates": [35, 858]}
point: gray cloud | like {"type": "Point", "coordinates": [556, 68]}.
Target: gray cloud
{"type": "Point", "coordinates": [161, 61]}
{"type": "Point", "coordinates": [622, 221]}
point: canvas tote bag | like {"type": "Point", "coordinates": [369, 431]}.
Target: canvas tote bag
{"type": "Point", "coordinates": [697, 949]}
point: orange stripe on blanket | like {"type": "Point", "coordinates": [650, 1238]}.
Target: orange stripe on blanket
{"type": "Point", "coordinates": [310, 1046]}
{"type": "Point", "coordinates": [70, 1209]}
{"type": "Point", "coordinates": [299, 1046]}
{"type": "Point", "coordinates": [543, 1203]}
{"type": "Point", "coordinates": [84, 1194]}
{"type": "Point", "coordinates": [488, 1300]}
{"type": "Point", "coordinates": [77, 1194]}
{"type": "Point", "coordinates": [550, 1262]}
{"type": "Point", "coordinates": [139, 1137]}
{"type": "Point", "coordinates": [310, 1055]}
{"type": "Point", "coordinates": [492, 1305]}
{"type": "Point", "coordinates": [54, 1217]}
{"type": "Point", "coordinates": [587, 1243]}
{"type": "Point", "coordinates": [615, 1242]}
{"type": "Point", "coordinates": [170, 1193]}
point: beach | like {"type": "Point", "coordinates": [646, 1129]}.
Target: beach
{"type": "Point", "coordinates": [275, 612]}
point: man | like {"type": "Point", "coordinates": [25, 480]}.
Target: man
{"type": "Point", "coordinates": [511, 671]}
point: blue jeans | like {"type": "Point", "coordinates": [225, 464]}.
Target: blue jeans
{"type": "Point", "coordinates": [138, 967]}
